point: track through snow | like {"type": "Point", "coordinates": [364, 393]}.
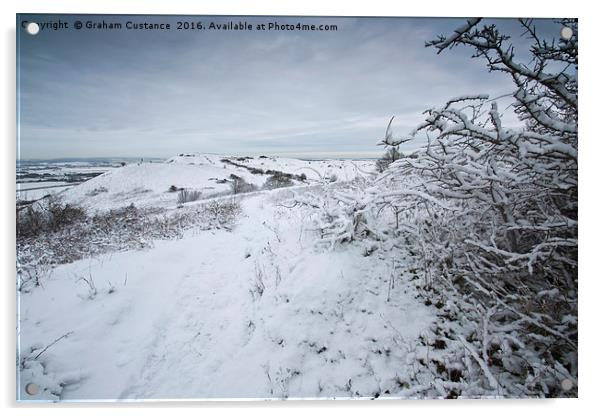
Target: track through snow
{"type": "Point", "coordinates": [255, 312]}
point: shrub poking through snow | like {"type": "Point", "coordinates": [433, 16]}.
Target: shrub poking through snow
{"type": "Point", "coordinates": [258, 284]}
{"type": "Point", "coordinates": [240, 186]}
{"type": "Point", "coordinates": [97, 191]}
{"type": "Point", "coordinates": [188, 195]}
{"type": "Point", "coordinates": [278, 180]}
{"type": "Point", "coordinates": [90, 285]}
{"type": "Point", "coordinates": [32, 276]}
{"type": "Point", "coordinates": [256, 171]}
{"type": "Point", "coordinates": [173, 188]}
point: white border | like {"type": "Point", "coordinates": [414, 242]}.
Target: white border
{"type": "Point", "coordinates": [590, 204]}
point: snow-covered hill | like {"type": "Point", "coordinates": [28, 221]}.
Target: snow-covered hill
{"type": "Point", "coordinates": [148, 184]}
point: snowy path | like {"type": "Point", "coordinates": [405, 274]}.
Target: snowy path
{"type": "Point", "coordinates": [256, 312]}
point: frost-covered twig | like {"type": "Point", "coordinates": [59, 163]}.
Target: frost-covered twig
{"type": "Point", "coordinates": [51, 344]}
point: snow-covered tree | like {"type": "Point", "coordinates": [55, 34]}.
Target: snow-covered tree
{"type": "Point", "coordinates": [490, 211]}
{"type": "Point", "coordinates": [391, 155]}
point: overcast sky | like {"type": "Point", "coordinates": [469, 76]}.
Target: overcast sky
{"type": "Point", "coordinates": [92, 93]}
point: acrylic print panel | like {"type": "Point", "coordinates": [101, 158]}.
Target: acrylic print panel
{"type": "Point", "coordinates": [271, 207]}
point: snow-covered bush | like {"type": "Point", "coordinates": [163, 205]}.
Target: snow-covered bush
{"type": "Point", "coordinates": [340, 213]}
{"type": "Point", "coordinates": [48, 215]}
{"type": "Point", "coordinates": [489, 213]}
{"type": "Point", "coordinates": [221, 213]}
{"type": "Point", "coordinates": [126, 228]}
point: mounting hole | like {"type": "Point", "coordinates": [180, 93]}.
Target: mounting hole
{"type": "Point", "coordinates": [566, 33]}
{"type": "Point", "coordinates": [32, 28]}
{"type": "Point", "coordinates": [566, 384]}
{"type": "Point", "coordinates": [32, 389]}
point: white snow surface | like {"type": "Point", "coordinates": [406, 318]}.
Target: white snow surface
{"type": "Point", "coordinates": [185, 319]}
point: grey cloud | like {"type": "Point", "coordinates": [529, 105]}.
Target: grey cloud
{"type": "Point", "coordinates": [157, 93]}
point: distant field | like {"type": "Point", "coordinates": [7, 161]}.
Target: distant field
{"type": "Point", "coordinates": [34, 190]}
{"type": "Point", "coordinates": [36, 179]}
